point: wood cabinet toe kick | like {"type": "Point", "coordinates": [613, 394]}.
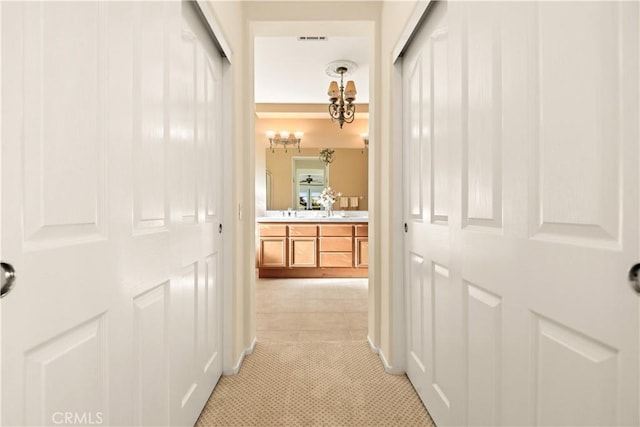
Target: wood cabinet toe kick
{"type": "Point", "coordinates": [312, 250]}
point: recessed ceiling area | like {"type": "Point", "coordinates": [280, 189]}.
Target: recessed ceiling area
{"type": "Point", "coordinates": [292, 71]}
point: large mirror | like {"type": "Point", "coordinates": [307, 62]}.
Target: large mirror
{"type": "Point", "coordinates": [296, 179]}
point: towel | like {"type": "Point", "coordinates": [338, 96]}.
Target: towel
{"type": "Point", "coordinates": [344, 202]}
{"type": "Point", "coordinates": [353, 201]}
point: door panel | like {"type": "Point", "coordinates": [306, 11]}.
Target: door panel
{"type": "Point", "coordinates": [527, 311]}
{"type": "Point", "coordinates": [484, 347]}
{"type": "Point", "coordinates": [151, 317]}
{"type": "Point", "coordinates": [150, 69]}
{"type": "Point", "coordinates": [106, 134]}
{"type": "Point", "coordinates": [570, 369]}
{"type": "Point", "coordinates": [64, 201]}
{"type": "Point", "coordinates": [583, 201]}
{"type": "Point", "coordinates": [69, 371]}
{"type": "Point", "coordinates": [482, 147]}
{"type": "Point", "coordinates": [435, 93]}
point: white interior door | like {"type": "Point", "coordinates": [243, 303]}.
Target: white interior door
{"type": "Point", "coordinates": [522, 213]}
{"type": "Point", "coordinates": [110, 190]}
{"type": "Point", "coordinates": [433, 309]}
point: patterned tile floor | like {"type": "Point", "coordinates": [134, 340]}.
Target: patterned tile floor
{"type": "Point", "coordinates": [308, 310]}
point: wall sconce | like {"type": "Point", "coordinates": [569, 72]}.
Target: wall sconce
{"type": "Point", "coordinates": [326, 155]}
{"type": "Point", "coordinates": [284, 138]}
{"type": "Point", "coordinates": [365, 139]}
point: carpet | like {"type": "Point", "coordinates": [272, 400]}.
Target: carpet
{"type": "Point", "coordinates": [314, 384]}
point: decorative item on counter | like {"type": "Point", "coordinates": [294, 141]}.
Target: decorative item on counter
{"type": "Point", "coordinates": [328, 198]}
{"type": "Point", "coordinates": [326, 155]}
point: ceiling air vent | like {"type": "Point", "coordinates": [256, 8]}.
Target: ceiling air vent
{"type": "Point", "coordinates": [312, 38]}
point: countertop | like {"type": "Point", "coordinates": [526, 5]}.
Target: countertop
{"type": "Point", "coordinates": [335, 218]}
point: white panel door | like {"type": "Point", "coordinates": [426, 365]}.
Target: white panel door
{"type": "Point", "coordinates": [195, 88]}
{"type": "Point", "coordinates": [433, 308]}
{"type": "Point", "coordinates": [115, 318]}
{"type": "Point", "coordinates": [530, 289]}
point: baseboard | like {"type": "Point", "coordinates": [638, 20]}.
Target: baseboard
{"type": "Point", "coordinates": [387, 368]}
{"type": "Point", "coordinates": [373, 348]}
{"type": "Point", "coordinates": [247, 351]}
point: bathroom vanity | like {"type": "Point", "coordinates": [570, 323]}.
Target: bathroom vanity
{"type": "Point", "coordinates": [312, 247]}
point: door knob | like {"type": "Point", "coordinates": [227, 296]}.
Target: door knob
{"type": "Point", "coordinates": [633, 278]}
{"type": "Point", "coordinates": [7, 278]}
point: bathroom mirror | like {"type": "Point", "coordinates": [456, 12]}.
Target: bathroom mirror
{"type": "Point", "coordinates": [296, 179]}
{"type": "Point", "coordinates": [310, 178]}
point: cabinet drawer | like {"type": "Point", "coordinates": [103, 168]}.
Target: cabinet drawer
{"type": "Point", "coordinates": [336, 259]}
{"type": "Point", "coordinates": [303, 230]}
{"type": "Point", "coordinates": [335, 244]}
{"type": "Point", "coordinates": [362, 230]}
{"type": "Point", "coordinates": [336, 230]}
{"type": "Point", "coordinates": [273, 230]}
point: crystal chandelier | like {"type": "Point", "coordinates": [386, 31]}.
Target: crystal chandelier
{"type": "Point", "coordinates": [341, 108]}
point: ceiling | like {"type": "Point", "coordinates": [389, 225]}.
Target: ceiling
{"type": "Point", "coordinates": [291, 71]}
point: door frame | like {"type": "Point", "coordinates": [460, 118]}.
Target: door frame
{"type": "Point", "coordinates": [364, 28]}
{"type": "Point", "coordinates": [0, 201]}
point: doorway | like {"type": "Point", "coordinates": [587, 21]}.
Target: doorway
{"type": "Point", "coordinates": [305, 181]}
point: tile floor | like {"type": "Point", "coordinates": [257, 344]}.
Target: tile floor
{"type": "Point", "coordinates": [311, 310]}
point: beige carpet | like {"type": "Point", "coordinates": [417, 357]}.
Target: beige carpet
{"type": "Point", "coordinates": [313, 384]}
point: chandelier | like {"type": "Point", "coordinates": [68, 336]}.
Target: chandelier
{"type": "Point", "coordinates": [284, 138]}
{"type": "Point", "coordinates": [341, 108]}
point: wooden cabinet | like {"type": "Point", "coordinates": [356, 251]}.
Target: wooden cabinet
{"type": "Point", "coordinates": [336, 245]}
{"type": "Point", "coordinates": [362, 252]}
{"type": "Point", "coordinates": [312, 250]}
{"type": "Point", "coordinates": [361, 246]}
{"type": "Point", "coordinates": [272, 252]}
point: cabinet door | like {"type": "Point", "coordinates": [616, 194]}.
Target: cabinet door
{"type": "Point", "coordinates": [362, 252]}
{"type": "Point", "coordinates": [273, 252]}
{"type": "Point", "coordinates": [302, 252]}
